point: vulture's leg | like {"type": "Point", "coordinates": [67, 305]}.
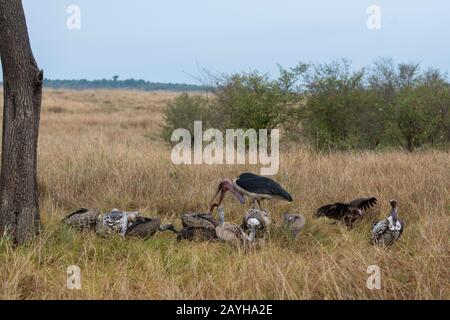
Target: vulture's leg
{"type": "Point", "coordinates": [259, 204]}
{"type": "Point", "coordinates": [254, 203]}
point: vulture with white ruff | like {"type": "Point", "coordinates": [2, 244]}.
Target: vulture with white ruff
{"type": "Point", "coordinates": [257, 222]}
{"type": "Point", "coordinates": [115, 222]}
{"type": "Point", "coordinates": [233, 233]}
{"type": "Point", "coordinates": [389, 230]}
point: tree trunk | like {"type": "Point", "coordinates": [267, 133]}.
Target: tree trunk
{"type": "Point", "coordinates": [409, 144]}
{"type": "Point", "coordinates": [22, 90]}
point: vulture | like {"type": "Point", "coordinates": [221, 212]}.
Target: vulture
{"type": "Point", "coordinates": [196, 234]}
{"type": "Point", "coordinates": [197, 226]}
{"type": "Point", "coordinates": [253, 186]}
{"type": "Point", "coordinates": [82, 220]}
{"type": "Point", "coordinates": [389, 230]}
{"type": "Point", "coordinates": [115, 221]}
{"type": "Point", "coordinates": [193, 219]}
{"type": "Point", "coordinates": [257, 222]}
{"type": "Point", "coordinates": [230, 232]}
{"type": "Point", "coordinates": [294, 223]}
{"type": "Point", "coordinates": [146, 228]}
{"type": "Point", "coordinates": [347, 212]}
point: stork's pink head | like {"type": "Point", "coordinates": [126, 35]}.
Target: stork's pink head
{"type": "Point", "coordinates": [224, 186]}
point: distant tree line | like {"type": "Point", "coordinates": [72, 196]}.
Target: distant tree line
{"type": "Point", "coordinates": [115, 83]}
{"type": "Point", "coordinates": [328, 106]}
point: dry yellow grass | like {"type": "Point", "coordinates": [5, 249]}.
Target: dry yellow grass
{"type": "Point", "coordinates": [101, 149]}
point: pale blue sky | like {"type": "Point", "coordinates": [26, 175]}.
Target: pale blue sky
{"type": "Point", "coordinates": [167, 40]}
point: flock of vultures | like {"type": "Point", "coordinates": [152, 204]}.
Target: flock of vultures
{"type": "Point", "coordinates": [255, 224]}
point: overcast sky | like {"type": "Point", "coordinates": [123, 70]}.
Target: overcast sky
{"type": "Point", "coordinates": [168, 40]}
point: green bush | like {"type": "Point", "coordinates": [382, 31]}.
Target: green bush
{"type": "Point", "coordinates": [238, 101]}
{"type": "Point", "coordinates": [254, 100]}
{"type": "Point", "coordinates": [182, 111]}
{"type": "Point", "coordinates": [416, 104]}
{"type": "Point", "coordinates": [340, 113]}
{"type": "Point", "coordinates": [329, 106]}
{"type": "Point", "coordinates": [382, 106]}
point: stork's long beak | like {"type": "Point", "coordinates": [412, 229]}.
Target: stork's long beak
{"type": "Point", "coordinates": [213, 204]}
{"type": "Point", "coordinates": [221, 190]}
{"type": "Point", "coordinates": [215, 196]}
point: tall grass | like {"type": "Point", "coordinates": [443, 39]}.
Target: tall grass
{"type": "Point", "coordinates": [101, 149]}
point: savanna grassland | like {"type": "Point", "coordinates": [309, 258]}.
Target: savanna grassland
{"type": "Point", "coordinates": [102, 149]}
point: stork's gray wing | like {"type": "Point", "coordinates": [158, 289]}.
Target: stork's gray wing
{"type": "Point", "coordinates": [261, 185]}
{"type": "Point", "coordinates": [363, 203]}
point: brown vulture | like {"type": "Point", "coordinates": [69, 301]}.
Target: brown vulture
{"type": "Point", "coordinates": [346, 212]}
{"type": "Point", "coordinates": [197, 226]}
{"type": "Point", "coordinates": [146, 228]}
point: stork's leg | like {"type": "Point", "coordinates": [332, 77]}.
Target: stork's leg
{"type": "Point", "coordinates": [259, 204]}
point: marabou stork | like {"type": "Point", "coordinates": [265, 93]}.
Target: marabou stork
{"type": "Point", "coordinates": [387, 231]}
{"type": "Point", "coordinates": [253, 186]}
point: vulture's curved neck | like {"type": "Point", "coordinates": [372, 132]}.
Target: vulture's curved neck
{"type": "Point", "coordinates": [221, 217]}
{"type": "Point", "coordinates": [394, 214]}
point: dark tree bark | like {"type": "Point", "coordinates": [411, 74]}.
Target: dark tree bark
{"type": "Point", "coordinates": [22, 90]}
